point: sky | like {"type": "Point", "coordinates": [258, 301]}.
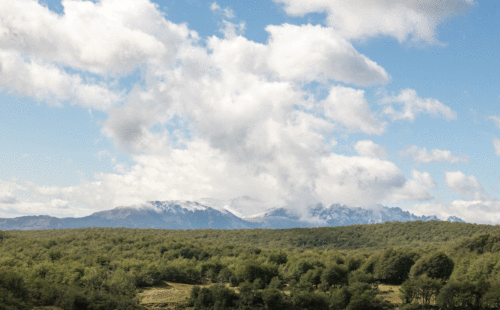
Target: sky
{"type": "Point", "coordinates": [290, 102]}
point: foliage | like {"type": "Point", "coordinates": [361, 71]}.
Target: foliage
{"type": "Point", "coordinates": [436, 266]}
{"type": "Point", "coordinates": [320, 268]}
{"type": "Point", "coordinates": [393, 266]}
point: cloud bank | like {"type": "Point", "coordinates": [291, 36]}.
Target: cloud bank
{"type": "Point", "coordinates": [222, 117]}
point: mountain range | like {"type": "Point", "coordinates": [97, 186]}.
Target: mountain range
{"type": "Point", "coordinates": [238, 213]}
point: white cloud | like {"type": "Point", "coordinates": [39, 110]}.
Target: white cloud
{"type": "Point", "coordinates": [227, 12]}
{"type": "Point", "coordinates": [47, 82]}
{"type": "Point", "coordinates": [417, 19]}
{"type": "Point", "coordinates": [308, 53]}
{"type": "Point", "coordinates": [367, 148]}
{"type": "Point", "coordinates": [478, 211]}
{"type": "Point", "coordinates": [231, 30]}
{"type": "Point", "coordinates": [107, 37]}
{"type": "Point", "coordinates": [459, 183]}
{"type": "Point", "coordinates": [53, 207]}
{"type": "Point", "coordinates": [421, 155]}
{"type": "Point", "coordinates": [357, 181]}
{"type": "Point", "coordinates": [7, 192]}
{"type": "Point", "coordinates": [18, 200]}
{"type": "Point", "coordinates": [296, 53]}
{"type": "Point", "coordinates": [413, 105]}
{"type": "Point", "coordinates": [423, 178]}
{"type": "Point", "coordinates": [228, 119]}
{"type": "Point", "coordinates": [416, 189]}
{"type": "Point", "coordinates": [349, 107]}
{"type": "Point", "coordinates": [496, 145]}
{"type": "Point", "coordinates": [240, 55]}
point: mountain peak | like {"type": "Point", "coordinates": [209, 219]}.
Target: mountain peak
{"type": "Point", "coordinates": [453, 219]}
{"type": "Point", "coordinates": [239, 213]}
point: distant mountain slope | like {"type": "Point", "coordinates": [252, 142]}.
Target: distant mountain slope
{"type": "Point", "coordinates": [166, 215]}
{"type": "Point", "coordinates": [217, 215]}
{"type": "Point", "coordinates": [335, 215]}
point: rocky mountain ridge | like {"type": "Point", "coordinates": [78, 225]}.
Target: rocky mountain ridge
{"type": "Point", "coordinates": [234, 214]}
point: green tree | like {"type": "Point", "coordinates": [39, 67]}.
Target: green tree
{"type": "Point", "coordinates": [436, 266]}
{"type": "Point", "coordinates": [394, 266]}
{"type": "Point", "coordinates": [335, 275]}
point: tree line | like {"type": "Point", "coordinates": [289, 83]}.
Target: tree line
{"type": "Point", "coordinates": [102, 268]}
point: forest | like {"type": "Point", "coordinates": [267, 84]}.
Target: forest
{"type": "Point", "coordinates": [427, 265]}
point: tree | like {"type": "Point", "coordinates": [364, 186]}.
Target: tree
{"type": "Point", "coordinates": [436, 266]}
{"type": "Point", "coordinates": [335, 275]}
{"type": "Point", "coordinates": [462, 293]}
{"type": "Point", "coordinates": [13, 291]}
{"type": "Point", "coordinates": [274, 300]}
{"type": "Point", "coordinates": [364, 298]}
{"type": "Point", "coordinates": [393, 266]}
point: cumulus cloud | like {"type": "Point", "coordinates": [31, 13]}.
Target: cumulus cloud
{"type": "Point", "coordinates": [296, 53]}
{"type": "Point", "coordinates": [222, 120]}
{"type": "Point", "coordinates": [357, 181]}
{"type": "Point", "coordinates": [53, 207]}
{"type": "Point", "coordinates": [415, 189]}
{"type": "Point", "coordinates": [417, 19]}
{"type": "Point", "coordinates": [7, 192]}
{"type": "Point", "coordinates": [106, 37]}
{"type": "Point", "coordinates": [367, 148]}
{"type": "Point", "coordinates": [421, 155]}
{"type": "Point", "coordinates": [349, 107]}
{"type": "Point", "coordinates": [18, 200]}
{"type": "Point", "coordinates": [413, 105]}
{"type": "Point", "coordinates": [424, 178]}
{"type": "Point", "coordinates": [200, 170]}
{"type": "Point", "coordinates": [310, 53]}
{"type": "Point", "coordinates": [478, 211]}
{"type": "Point", "coordinates": [461, 184]}
{"type": "Point", "coordinates": [45, 81]}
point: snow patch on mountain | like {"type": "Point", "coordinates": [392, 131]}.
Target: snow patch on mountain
{"type": "Point", "coordinates": [240, 213]}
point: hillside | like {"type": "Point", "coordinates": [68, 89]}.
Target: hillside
{"type": "Point", "coordinates": [375, 236]}
{"type": "Point", "coordinates": [306, 268]}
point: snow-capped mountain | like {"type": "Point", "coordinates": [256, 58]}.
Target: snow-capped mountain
{"type": "Point", "coordinates": [453, 219]}
{"type": "Point", "coordinates": [242, 207]}
{"type": "Point", "coordinates": [167, 215]}
{"type": "Point", "coordinates": [335, 215]}
{"type": "Point", "coordinates": [216, 214]}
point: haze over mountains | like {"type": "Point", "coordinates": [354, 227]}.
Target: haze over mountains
{"type": "Point", "coordinates": [238, 213]}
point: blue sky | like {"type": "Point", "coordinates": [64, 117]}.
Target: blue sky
{"type": "Point", "coordinates": [291, 102]}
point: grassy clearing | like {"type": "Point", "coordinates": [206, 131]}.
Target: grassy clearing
{"type": "Point", "coordinates": [165, 293]}
{"type": "Point", "coordinates": [390, 293]}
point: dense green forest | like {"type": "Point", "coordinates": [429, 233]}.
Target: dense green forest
{"type": "Point", "coordinates": [433, 264]}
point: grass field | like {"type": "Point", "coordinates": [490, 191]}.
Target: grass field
{"type": "Point", "coordinates": [165, 296]}
{"type": "Point", "coordinates": [170, 296]}
{"type": "Point", "coordinates": [390, 293]}
{"type": "Point", "coordinates": [176, 295]}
